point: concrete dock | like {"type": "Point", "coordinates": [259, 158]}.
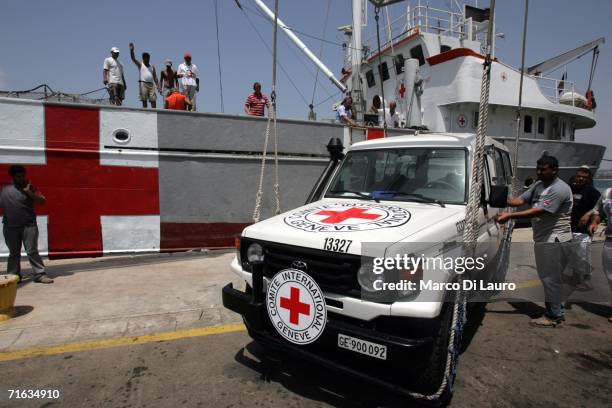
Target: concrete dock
{"type": "Point", "coordinates": [150, 330]}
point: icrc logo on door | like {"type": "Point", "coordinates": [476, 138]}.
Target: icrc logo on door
{"type": "Point", "coordinates": [347, 217]}
{"type": "Point", "coordinates": [296, 306]}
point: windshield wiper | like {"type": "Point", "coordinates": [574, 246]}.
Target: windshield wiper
{"type": "Point", "coordinates": [420, 197]}
{"type": "Point", "coordinates": [357, 193]}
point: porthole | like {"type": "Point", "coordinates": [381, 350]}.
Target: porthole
{"type": "Point", "coordinates": [121, 136]}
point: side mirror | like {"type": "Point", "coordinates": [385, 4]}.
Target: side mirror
{"type": "Point", "coordinates": [498, 197]}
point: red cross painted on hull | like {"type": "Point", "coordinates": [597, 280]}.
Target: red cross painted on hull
{"type": "Point", "coordinates": [402, 90]}
{"type": "Point", "coordinates": [78, 189]}
{"type": "Point", "coordinates": [294, 306]}
{"type": "Point", "coordinates": [336, 217]}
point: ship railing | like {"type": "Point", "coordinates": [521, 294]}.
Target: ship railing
{"type": "Point", "coordinates": [45, 93]}
{"type": "Point", "coordinates": [418, 19]}
{"type": "Point", "coordinates": [559, 91]}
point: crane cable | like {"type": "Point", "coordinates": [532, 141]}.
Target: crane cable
{"type": "Point", "coordinates": [314, 90]}
{"type": "Point", "coordinates": [216, 6]}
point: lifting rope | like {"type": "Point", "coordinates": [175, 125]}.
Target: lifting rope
{"type": "Point", "coordinates": [515, 182]}
{"type": "Point", "coordinates": [271, 118]}
{"type": "Point", "coordinates": [470, 232]}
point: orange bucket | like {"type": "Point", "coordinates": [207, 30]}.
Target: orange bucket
{"type": "Point", "coordinates": [8, 292]}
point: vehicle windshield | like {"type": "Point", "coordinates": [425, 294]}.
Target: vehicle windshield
{"type": "Point", "coordinates": [421, 175]}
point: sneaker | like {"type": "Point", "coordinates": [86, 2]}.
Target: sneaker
{"type": "Point", "coordinates": [43, 279]}
{"type": "Point", "coordinates": [545, 322]}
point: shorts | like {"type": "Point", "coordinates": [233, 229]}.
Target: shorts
{"type": "Point", "coordinates": [116, 93]}
{"type": "Point", "coordinates": [147, 92]}
{"type": "Point", "coordinates": [190, 93]}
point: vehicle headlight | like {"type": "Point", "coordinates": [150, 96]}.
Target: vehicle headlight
{"type": "Point", "coordinates": [366, 278]}
{"type": "Point", "coordinates": [255, 253]}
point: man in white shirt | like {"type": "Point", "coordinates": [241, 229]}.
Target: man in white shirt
{"type": "Point", "coordinates": [391, 116]}
{"type": "Point", "coordinates": [147, 78]}
{"type": "Point", "coordinates": [188, 79]}
{"type": "Point", "coordinates": [112, 76]}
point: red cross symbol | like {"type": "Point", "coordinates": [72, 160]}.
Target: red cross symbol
{"type": "Point", "coordinates": [402, 90]}
{"type": "Point", "coordinates": [336, 217]}
{"type": "Point", "coordinates": [461, 120]}
{"type": "Point", "coordinates": [294, 306]}
{"type": "Point", "coordinates": [504, 76]}
{"type": "Point", "coordinates": [78, 189]}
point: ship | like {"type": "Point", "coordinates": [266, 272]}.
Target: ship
{"type": "Point", "coordinates": [122, 180]}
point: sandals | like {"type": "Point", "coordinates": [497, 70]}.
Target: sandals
{"type": "Point", "coordinates": [545, 322]}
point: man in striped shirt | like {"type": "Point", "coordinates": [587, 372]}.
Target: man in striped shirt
{"type": "Point", "coordinates": [256, 102]}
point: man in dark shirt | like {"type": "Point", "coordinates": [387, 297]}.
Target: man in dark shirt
{"type": "Point", "coordinates": [17, 201]}
{"type": "Point", "coordinates": [585, 199]}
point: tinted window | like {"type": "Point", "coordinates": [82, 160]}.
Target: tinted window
{"type": "Point", "coordinates": [475, 121]}
{"type": "Point", "coordinates": [507, 166]}
{"type": "Point", "coordinates": [444, 48]}
{"type": "Point", "coordinates": [370, 78]}
{"type": "Point", "coordinates": [399, 64]}
{"type": "Point", "coordinates": [383, 70]}
{"type": "Point", "coordinates": [500, 177]}
{"type": "Point", "coordinates": [541, 125]}
{"type": "Point", "coordinates": [528, 124]}
{"type": "Point", "coordinates": [417, 53]}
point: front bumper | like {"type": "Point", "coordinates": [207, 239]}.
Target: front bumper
{"type": "Point", "coordinates": [402, 353]}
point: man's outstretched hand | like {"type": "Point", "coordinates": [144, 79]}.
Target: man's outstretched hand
{"type": "Point", "coordinates": [503, 217]}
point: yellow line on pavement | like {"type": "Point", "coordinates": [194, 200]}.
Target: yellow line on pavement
{"type": "Point", "coordinates": [118, 342]}
{"type": "Point", "coordinates": [529, 284]}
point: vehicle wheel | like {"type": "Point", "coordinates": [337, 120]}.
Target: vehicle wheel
{"type": "Point", "coordinates": [429, 379]}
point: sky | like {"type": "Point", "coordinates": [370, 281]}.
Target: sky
{"type": "Point", "coordinates": [63, 43]}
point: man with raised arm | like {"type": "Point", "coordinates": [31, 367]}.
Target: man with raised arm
{"type": "Point", "coordinates": [147, 81]}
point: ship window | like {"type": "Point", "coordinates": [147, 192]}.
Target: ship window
{"type": "Point", "coordinates": [383, 70]}
{"type": "Point", "coordinates": [528, 124]}
{"type": "Point", "coordinates": [475, 121]}
{"type": "Point", "coordinates": [417, 53]}
{"type": "Point", "coordinates": [121, 136]}
{"type": "Point", "coordinates": [370, 78]}
{"type": "Point", "coordinates": [399, 63]}
{"type": "Point", "coordinates": [444, 48]}
{"type": "Point", "coordinates": [541, 125]}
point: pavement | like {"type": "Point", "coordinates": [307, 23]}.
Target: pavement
{"type": "Point", "coordinates": [150, 330]}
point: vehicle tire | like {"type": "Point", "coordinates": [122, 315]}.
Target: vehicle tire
{"type": "Point", "coordinates": [429, 379]}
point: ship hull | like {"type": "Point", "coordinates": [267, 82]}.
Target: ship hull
{"type": "Point", "coordinates": [122, 180]}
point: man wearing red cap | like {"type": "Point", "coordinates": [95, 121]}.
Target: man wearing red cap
{"type": "Point", "coordinates": [188, 78]}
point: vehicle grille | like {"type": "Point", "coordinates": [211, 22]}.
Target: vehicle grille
{"type": "Point", "coordinates": [334, 272]}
